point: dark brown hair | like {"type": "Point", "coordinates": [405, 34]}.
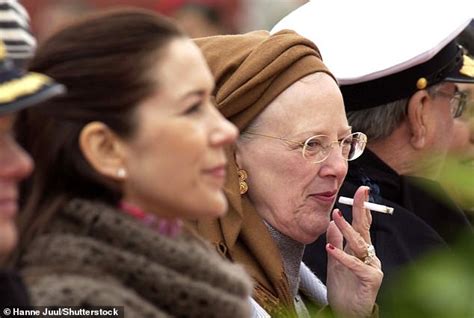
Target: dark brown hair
{"type": "Point", "coordinates": [104, 61]}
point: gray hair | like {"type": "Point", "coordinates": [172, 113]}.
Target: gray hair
{"type": "Point", "coordinates": [379, 122]}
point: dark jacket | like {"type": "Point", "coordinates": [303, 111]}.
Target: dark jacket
{"type": "Point", "coordinates": [12, 290]}
{"type": "Point", "coordinates": [424, 218]}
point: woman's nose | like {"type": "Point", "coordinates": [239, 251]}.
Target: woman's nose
{"type": "Point", "coordinates": [224, 131]}
{"type": "Point", "coordinates": [335, 164]}
{"type": "Point", "coordinates": [15, 163]}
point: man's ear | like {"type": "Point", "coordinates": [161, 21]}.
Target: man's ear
{"type": "Point", "coordinates": [103, 150]}
{"type": "Point", "coordinates": [417, 120]}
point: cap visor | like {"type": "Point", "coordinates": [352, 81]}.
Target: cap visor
{"type": "Point", "coordinates": [465, 74]}
{"type": "Point", "coordinates": [46, 92]}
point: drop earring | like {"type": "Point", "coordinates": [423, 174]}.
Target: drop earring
{"type": "Point", "coordinates": [243, 186]}
{"type": "Point", "coordinates": [121, 173]}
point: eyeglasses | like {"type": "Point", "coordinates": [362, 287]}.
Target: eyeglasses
{"type": "Point", "coordinates": [457, 101]}
{"type": "Point", "coordinates": [317, 148]}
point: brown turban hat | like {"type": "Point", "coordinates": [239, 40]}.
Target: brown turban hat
{"type": "Point", "coordinates": [251, 70]}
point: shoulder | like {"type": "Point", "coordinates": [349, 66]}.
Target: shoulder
{"type": "Point", "coordinates": [12, 290]}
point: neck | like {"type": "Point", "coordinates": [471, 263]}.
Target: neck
{"type": "Point", "coordinates": [406, 162]}
{"type": "Point", "coordinates": [167, 226]}
{"type": "Point", "coordinates": [399, 154]}
{"type": "Point", "coordinates": [292, 255]}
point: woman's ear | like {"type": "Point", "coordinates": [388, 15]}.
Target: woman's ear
{"type": "Point", "coordinates": [103, 150]}
{"type": "Point", "coordinates": [237, 150]}
{"type": "Point", "coordinates": [417, 121]}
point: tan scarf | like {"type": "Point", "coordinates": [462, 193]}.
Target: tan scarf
{"type": "Point", "coordinates": [251, 70]}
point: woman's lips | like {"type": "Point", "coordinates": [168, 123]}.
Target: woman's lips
{"type": "Point", "coordinates": [8, 208]}
{"type": "Point", "coordinates": [328, 196]}
{"type": "Point", "coordinates": [217, 174]}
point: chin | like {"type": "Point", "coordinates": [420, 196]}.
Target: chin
{"type": "Point", "coordinates": [219, 208]}
{"type": "Point", "coordinates": [210, 205]}
{"type": "Point", "coordinates": [8, 238]}
{"type": "Point", "coordinates": [316, 231]}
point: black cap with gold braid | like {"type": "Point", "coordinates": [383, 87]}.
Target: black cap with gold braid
{"type": "Point", "coordinates": [19, 89]}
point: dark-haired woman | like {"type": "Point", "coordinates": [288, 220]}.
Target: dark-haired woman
{"type": "Point", "coordinates": [131, 150]}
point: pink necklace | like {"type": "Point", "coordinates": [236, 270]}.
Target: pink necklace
{"type": "Point", "coordinates": [166, 226]}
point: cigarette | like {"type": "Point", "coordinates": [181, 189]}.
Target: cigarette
{"type": "Point", "coordinates": [367, 205]}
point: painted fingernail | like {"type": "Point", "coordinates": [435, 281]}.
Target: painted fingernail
{"type": "Point", "coordinates": [330, 246]}
{"type": "Point", "coordinates": [339, 213]}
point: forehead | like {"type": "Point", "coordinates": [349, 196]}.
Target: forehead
{"type": "Point", "coordinates": [182, 68]}
{"type": "Point", "coordinates": [312, 104]}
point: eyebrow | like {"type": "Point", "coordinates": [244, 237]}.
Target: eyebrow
{"type": "Point", "coordinates": [198, 93]}
{"type": "Point", "coordinates": [347, 130]}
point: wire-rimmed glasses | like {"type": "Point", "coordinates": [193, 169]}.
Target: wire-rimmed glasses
{"type": "Point", "coordinates": [317, 148]}
{"type": "Point", "coordinates": [458, 101]}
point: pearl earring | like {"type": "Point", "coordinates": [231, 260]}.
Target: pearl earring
{"type": "Point", "coordinates": [121, 173]}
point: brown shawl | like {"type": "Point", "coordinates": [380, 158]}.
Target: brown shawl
{"type": "Point", "coordinates": [251, 70]}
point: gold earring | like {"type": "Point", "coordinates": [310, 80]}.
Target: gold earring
{"type": "Point", "coordinates": [242, 184]}
{"type": "Point", "coordinates": [121, 173]}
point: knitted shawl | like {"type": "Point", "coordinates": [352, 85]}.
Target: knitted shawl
{"type": "Point", "coordinates": [95, 255]}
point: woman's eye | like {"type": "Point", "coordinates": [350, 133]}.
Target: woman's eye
{"type": "Point", "coordinates": [347, 141]}
{"type": "Point", "coordinates": [193, 109]}
{"type": "Point", "coordinates": [314, 143]}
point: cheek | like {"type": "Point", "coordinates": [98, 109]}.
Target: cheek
{"type": "Point", "coordinates": [163, 166]}
{"type": "Point", "coordinates": [460, 141]}
{"type": "Point", "coordinates": [279, 181]}
{"type": "Point", "coordinates": [445, 134]}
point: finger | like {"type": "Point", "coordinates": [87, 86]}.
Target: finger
{"type": "Point", "coordinates": [356, 244]}
{"type": "Point", "coordinates": [334, 236]}
{"type": "Point", "coordinates": [362, 217]}
{"type": "Point", "coordinates": [355, 265]}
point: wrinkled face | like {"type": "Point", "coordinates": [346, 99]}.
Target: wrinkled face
{"type": "Point", "coordinates": [439, 128]}
{"type": "Point", "coordinates": [462, 144]}
{"type": "Point", "coordinates": [294, 195]}
{"type": "Point", "coordinates": [175, 160]}
{"type": "Point", "coordinates": [441, 119]}
{"type": "Point", "coordinates": [15, 165]}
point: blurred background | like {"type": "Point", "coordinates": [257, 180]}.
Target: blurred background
{"type": "Point", "coordinates": [197, 17]}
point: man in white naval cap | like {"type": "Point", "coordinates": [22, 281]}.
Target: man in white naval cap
{"type": "Point", "coordinates": [397, 67]}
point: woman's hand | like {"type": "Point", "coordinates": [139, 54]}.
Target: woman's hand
{"type": "Point", "coordinates": [354, 275]}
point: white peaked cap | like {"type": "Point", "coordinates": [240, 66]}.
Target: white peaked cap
{"type": "Point", "coordinates": [366, 40]}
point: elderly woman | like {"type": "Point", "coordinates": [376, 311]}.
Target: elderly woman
{"type": "Point", "coordinates": [286, 169]}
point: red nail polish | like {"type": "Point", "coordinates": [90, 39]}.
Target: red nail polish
{"type": "Point", "coordinates": [340, 213]}
{"type": "Point", "coordinates": [331, 247]}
